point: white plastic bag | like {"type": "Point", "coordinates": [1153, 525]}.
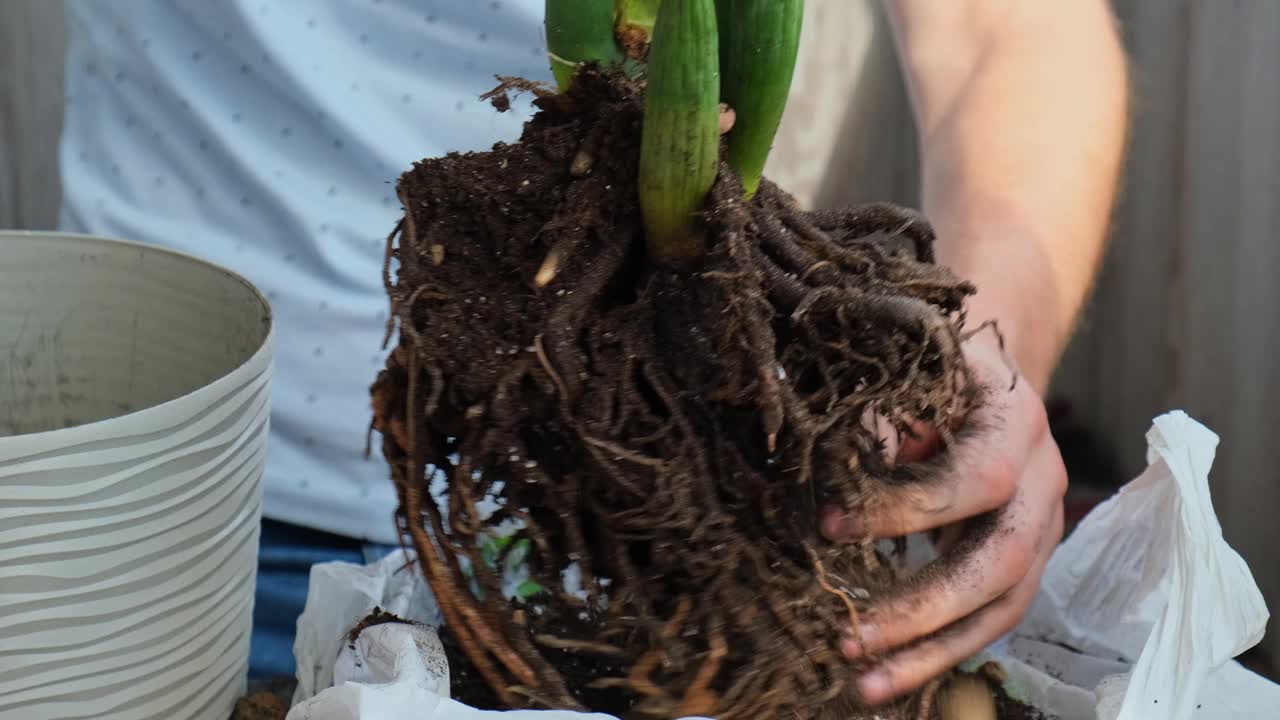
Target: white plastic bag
{"type": "Point", "coordinates": [1140, 614]}
{"type": "Point", "coordinates": [339, 596]}
{"type": "Point", "coordinates": [390, 671]}
{"type": "Point", "coordinates": [1150, 602]}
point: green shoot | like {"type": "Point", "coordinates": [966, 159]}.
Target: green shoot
{"type": "Point", "coordinates": [759, 41]}
{"type": "Point", "coordinates": [680, 142]}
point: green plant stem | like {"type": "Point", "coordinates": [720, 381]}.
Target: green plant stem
{"type": "Point", "coordinates": [637, 17]}
{"type": "Point", "coordinates": [680, 141]}
{"type": "Point", "coordinates": [579, 31]}
{"type": "Point", "coordinates": [759, 42]}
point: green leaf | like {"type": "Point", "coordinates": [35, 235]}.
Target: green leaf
{"type": "Point", "coordinates": [489, 550]}
{"type": "Point", "coordinates": [528, 589]}
{"type": "Point", "coordinates": [519, 553]}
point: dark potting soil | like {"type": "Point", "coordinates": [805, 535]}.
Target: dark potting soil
{"type": "Point", "coordinates": [269, 700]}
{"type": "Point", "coordinates": [667, 435]}
{"type": "Point", "coordinates": [469, 688]}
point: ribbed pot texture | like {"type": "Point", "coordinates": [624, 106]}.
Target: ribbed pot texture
{"type": "Point", "coordinates": [134, 406]}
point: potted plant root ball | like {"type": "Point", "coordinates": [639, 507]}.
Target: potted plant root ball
{"type": "Point", "coordinates": [627, 358]}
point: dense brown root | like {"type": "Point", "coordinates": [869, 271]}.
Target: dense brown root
{"type": "Point", "coordinates": [666, 437]}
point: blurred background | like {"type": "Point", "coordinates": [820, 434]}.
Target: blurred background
{"type": "Point", "coordinates": [1183, 316]}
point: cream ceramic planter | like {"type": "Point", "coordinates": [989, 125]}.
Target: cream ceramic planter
{"type": "Point", "coordinates": [134, 404]}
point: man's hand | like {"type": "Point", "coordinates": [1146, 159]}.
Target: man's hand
{"type": "Point", "coordinates": [1005, 479]}
{"type": "Point", "coordinates": [1021, 110]}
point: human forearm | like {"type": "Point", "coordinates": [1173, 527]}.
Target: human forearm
{"type": "Point", "coordinates": [1022, 115]}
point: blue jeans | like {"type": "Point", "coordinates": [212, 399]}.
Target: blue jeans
{"type": "Point", "coordinates": [285, 556]}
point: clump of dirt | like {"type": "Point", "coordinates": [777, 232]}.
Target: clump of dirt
{"type": "Point", "coordinates": [1009, 709]}
{"type": "Point", "coordinates": [265, 700]}
{"type": "Point", "coordinates": [660, 440]}
{"type": "Point", "coordinates": [377, 616]}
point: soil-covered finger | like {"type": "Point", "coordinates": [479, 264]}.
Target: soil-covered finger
{"type": "Point", "coordinates": [996, 554]}
{"type": "Point", "coordinates": [939, 481]}
{"type": "Point", "coordinates": [976, 475]}
{"type": "Point", "coordinates": [928, 658]}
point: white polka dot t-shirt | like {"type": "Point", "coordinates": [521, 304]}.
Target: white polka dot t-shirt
{"type": "Point", "coordinates": [266, 136]}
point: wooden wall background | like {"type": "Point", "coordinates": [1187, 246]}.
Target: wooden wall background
{"type": "Point", "coordinates": [1184, 315]}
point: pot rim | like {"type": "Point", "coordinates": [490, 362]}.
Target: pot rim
{"type": "Point", "coordinates": [153, 417]}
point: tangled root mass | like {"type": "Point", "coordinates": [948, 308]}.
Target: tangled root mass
{"type": "Point", "coordinates": [667, 437]}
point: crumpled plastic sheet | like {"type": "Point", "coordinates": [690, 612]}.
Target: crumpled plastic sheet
{"type": "Point", "coordinates": [1144, 605]}
{"type": "Point", "coordinates": [1140, 613]}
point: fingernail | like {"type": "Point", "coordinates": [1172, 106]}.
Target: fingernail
{"type": "Point", "coordinates": [840, 526]}
{"type": "Point", "coordinates": [874, 686]}
{"type": "Point", "coordinates": [855, 646]}
{"type": "Point", "coordinates": [850, 647]}
{"type": "Point", "coordinates": [869, 635]}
